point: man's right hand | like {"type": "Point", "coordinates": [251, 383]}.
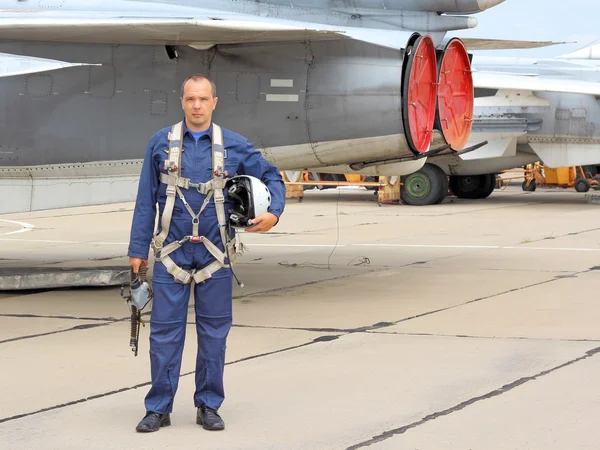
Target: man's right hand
{"type": "Point", "coordinates": [135, 263]}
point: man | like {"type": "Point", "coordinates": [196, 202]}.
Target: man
{"type": "Point", "coordinates": [212, 295]}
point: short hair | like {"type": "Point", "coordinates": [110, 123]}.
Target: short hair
{"type": "Point", "coordinates": [197, 77]}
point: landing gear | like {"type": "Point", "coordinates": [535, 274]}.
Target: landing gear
{"type": "Point", "coordinates": [529, 186]}
{"type": "Point", "coordinates": [428, 186]}
{"type": "Point", "coordinates": [582, 185]}
{"type": "Point", "coordinates": [473, 186]}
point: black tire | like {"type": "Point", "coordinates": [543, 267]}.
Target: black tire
{"type": "Point", "coordinates": [445, 186]}
{"type": "Point", "coordinates": [330, 177]}
{"type": "Point", "coordinates": [491, 186]}
{"type": "Point", "coordinates": [582, 185]}
{"type": "Point", "coordinates": [473, 186]}
{"type": "Point", "coordinates": [372, 179]}
{"type": "Point", "coordinates": [531, 188]}
{"type": "Point", "coordinates": [427, 186]}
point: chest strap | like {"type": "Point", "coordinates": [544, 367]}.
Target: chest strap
{"type": "Point", "coordinates": [212, 189]}
{"type": "Point", "coordinates": [185, 183]}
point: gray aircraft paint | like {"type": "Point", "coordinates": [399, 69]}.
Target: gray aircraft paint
{"type": "Point", "coordinates": [335, 111]}
{"type": "Point", "coordinates": [108, 113]}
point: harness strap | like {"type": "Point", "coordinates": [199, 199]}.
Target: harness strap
{"type": "Point", "coordinates": [212, 189]}
{"type": "Point", "coordinates": [204, 274]}
{"type": "Point", "coordinates": [219, 181]}
{"type": "Point", "coordinates": [185, 183]}
{"type": "Point", "coordinates": [173, 165]}
{"type": "Point", "coordinates": [195, 217]}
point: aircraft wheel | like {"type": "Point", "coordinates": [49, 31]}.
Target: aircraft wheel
{"type": "Point", "coordinates": [531, 188]}
{"type": "Point", "coordinates": [582, 185]}
{"type": "Point", "coordinates": [372, 179]}
{"type": "Point", "coordinates": [473, 186]}
{"type": "Point", "coordinates": [428, 186]}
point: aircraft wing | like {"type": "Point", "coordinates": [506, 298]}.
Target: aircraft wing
{"type": "Point", "coordinates": [495, 80]}
{"type": "Point", "coordinates": [200, 32]}
{"type": "Point", "coordinates": [204, 28]}
{"type": "Point", "coordinates": [11, 65]}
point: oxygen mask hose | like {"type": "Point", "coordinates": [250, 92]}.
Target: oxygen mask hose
{"type": "Point", "coordinates": [133, 342]}
{"type": "Point", "coordinates": [240, 284]}
{"type": "Point", "coordinates": [136, 318]}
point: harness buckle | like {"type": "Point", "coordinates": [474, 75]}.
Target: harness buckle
{"type": "Point", "coordinates": [193, 239]}
{"type": "Point", "coordinates": [170, 166]}
{"type": "Point", "coordinates": [171, 190]}
{"type": "Point", "coordinates": [219, 197]}
{"type": "Point", "coordinates": [184, 240]}
{"type": "Point", "coordinates": [154, 245]}
{"type": "Point", "coordinates": [200, 187]}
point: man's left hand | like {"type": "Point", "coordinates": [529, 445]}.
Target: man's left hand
{"type": "Point", "coordinates": [264, 222]}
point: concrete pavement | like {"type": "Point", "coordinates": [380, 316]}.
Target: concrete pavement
{"type": "Point", "coordinates": [461, 325]}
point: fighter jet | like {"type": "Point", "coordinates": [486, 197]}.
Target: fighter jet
{"type": "Point", "coordinates": [314, 85]}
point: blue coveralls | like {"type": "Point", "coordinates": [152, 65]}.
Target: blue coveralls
{"type": "Point", "coordinates": [213, 298]}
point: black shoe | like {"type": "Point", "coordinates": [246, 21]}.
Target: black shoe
{"type": "Point", "coordinates": [209, 419]}
{"type": "Point", "coordinates": [153, 421]}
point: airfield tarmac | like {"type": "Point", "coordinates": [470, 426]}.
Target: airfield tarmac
{"type": "Point", "coordinates": [465, 325]}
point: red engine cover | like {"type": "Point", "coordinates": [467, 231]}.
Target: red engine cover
{"type": "Point", "coordinates": [455, 95]}
{"type": "Point", "coordinates": [420, 94]}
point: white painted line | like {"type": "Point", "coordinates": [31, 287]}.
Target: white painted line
{"type": "Point", "coordinates": [39, 240]}
{"type": "Point", "coordinates": [50, 241]}
{"type": "Point", "coordinates": [493, 247]}
{"type": "Point", "coordinates": [28, 227]}
{"type": "Point", "coordinates": [25, 227]}
{"type": "Point", "coordinates": [428, 246]}
{"type": "Point", "coordinates": [282, 83]}
{"type": "Point", "coordinates": [282, 98]}
{"type": "Point", "coordinates": [293, 245]}
{"type": "Point", "coordinates": [560, 249]}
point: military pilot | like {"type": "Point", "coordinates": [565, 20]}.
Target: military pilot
{"type": "Point", "coordinates": [184, 171]}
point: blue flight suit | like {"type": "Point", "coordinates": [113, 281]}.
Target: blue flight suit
{"type": "Point", "coordinates": [213, 298]}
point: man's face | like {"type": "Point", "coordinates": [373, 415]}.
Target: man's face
{"type": "Point", "coordinates": [198, 104]}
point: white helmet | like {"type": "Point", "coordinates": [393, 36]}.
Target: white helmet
{"type": "Point", "coordinates": [251, 198]}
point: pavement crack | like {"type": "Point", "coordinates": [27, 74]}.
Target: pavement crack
{"type": "Point", "coordinates": [37, 316]}
{"type": "Point", "coordinates": [268, 327]}
{"type": "Point", "coordinates": [77, 327]}
{"type": "Point", "coordinates": [471, 336]}
{"type": "Point", "coordinates": [148, 383]}
{"type": "Point", "coordinates": [381, 325]}
{"type": "Point", "coordinates": [308, 283]}
{"type": "Point", "coordinates": [336, 278]}
{"type": "Point", "coordinates": [575, 233]}
{"type": "Point", "coordinates": [487, 297]}
{"type": "Point", "coordinates": [496, 392]}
